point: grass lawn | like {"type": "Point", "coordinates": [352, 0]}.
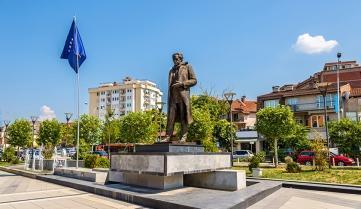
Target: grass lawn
{"type": "Point", "coordinates": [337, 176]}
{"type": "Point", "coordinates": [4, 163]}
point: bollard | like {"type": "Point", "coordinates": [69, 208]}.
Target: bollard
{"type": "Point", "coordinates": [333, 162]}
{"type": "Point", "coordinates": [358, 162]}
{"type": "Point", "coordinates": [313, 162]}
{"type": "Point", "coordinates": [273, 161]}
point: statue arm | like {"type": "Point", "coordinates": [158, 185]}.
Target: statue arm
{"type": "Point", "coordinates": [192, 80]}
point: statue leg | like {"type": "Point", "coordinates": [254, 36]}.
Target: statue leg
{"type": "Point", "coordinates": [170, 122]}
{"type": "Point", "coordinates": [184, 124]}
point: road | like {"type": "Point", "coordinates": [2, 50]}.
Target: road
{"type": "Point", "coordinates": [21, 192]}
{"type": "Point", "coordinates": [287, 198]}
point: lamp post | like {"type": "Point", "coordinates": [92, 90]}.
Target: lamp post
{"type": "Point", "coordinates": [67, 117]}
{"type": "Point", "coordinates": [6, 123]}
{"type": "Point", "coordinates": [338, 85]}
{"type": "Point", "coordinates": [160, 109]}
{"type": "Point", "coordinates": [33, 120]}
{"type": "Point", "coordinates": [229, 97]}
{"type": "Point", "coordinates": [110, 115]}
{"type": "Point", "coordinates": [322, 87]}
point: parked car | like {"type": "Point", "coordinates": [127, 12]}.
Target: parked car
{"type": "Point", "coordinates": [101, 153]}
{"type": "Point", "coordinates": [70, 151]}
{"type": "Point", "coordinates": [242, 154]}
{"type": "Point", "coordinates": [306, 158]}
{"type": "Point", "coordinates": [1, 153]}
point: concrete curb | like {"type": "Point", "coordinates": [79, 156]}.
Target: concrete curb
{"type": "Point", "coordinates": [239, 199]}
{"type": "Point", "coordinates": [19, 172]}
{"type": "Point", "coordinates": [341, 188]}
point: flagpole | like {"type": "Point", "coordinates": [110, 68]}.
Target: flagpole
{"type": "Point", "coordinates": [78, 128]}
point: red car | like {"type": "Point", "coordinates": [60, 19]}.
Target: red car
{"type": "Point", "coordinates": [306, 158]}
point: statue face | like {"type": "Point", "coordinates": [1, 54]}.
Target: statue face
{"type": "Point", "coordinates": [177, 60]}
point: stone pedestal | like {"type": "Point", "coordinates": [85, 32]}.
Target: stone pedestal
{"type": "Point", "coordinates": [163, 166]}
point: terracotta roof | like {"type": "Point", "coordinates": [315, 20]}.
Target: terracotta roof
{"type": "Point", "coordinates": [345, 62]}
{"type": "Point", "coordinates": [245, 107]}
{"type": "Point", "coordinates": [355, 92]}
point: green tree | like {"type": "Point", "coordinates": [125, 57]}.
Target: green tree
{"type": "Point", "coordinates": [90, 129]}
{"type": "Point", "coordinates": [275, 124]}
{"type": "Point", "coordinates": [216, 108]}
{"type": "Point", "coordinates": [49, 132]}
{"type": "Point", "coordinates": [298, 139]}
{"type": "Point", "coordinates": [347, 135]}
{"type": "Point", "coordinates": [66, 133]}
{"type": "Point", "coordinates": [223, 131]}
{"type": "Point", "coordinates": [111, 129]}
{"type": "Point", "coordinates": [201, 129]}
{"type": "Point", "coordinates": [138, 127]}
{"type": "Point", "coordinates": [20, 133]}
{"type": "Point", "coordinates": [49, 136]}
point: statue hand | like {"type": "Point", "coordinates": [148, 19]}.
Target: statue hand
{"type": "Point", "coordinates": [178, 85]}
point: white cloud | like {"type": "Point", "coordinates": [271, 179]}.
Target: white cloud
{"type": "Point", "coordinates": [314, 44]}
{"type": "Point", "coordinates": [46, 113]}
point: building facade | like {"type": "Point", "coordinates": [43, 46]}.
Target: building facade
{"type": "Point", "coordinates": [306, 101]}
{"type": "Point", "coordinates": [129, 96]}
{"type": "Point", "coordinates": [244, 118]}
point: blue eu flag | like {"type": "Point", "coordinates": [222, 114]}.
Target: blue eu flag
{"type": "Point", "coordinates": [74, 50]}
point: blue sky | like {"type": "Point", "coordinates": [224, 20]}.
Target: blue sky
{"type": "Point", "coordinates": [244, 46]}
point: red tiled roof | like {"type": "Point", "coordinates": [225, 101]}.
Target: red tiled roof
{"type": "Point", "coordinates": [355, 92]}
{"type": "Point", "coordinates": [345, 62]}
{"type": "Point", "coordinates": [245, 107]}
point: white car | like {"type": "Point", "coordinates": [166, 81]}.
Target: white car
{"type": "Point", "coordinates": [242, 154]}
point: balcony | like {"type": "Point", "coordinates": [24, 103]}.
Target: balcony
{"type": "Point", "coordinates": [303, 107]}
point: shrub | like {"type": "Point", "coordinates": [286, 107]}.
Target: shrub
{"type": "Point", "coordinates": [256, 160]}
{"type": "Point", "coordinates": [293, 167]}
{"type": "Point", "coordinates": [15, 161]}
{"type": "Point", "coordinates": [48, 151]}
{"type": "Point", "coordinates": [9, 154]}
{"type": "Point", "coordinates": [288, 159]}
{"type": "Point", "coordinates": [102, 162]}
{"type": "Point", "coordinates": [318, 146]}
{"type": "Point", "coordinates": [90, 161]}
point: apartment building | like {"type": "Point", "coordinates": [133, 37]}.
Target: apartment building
{"type": "Point", "coordinates": [128, 96]}
{"type": "Point", "coordinates": [306, 101]}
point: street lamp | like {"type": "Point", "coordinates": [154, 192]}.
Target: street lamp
{"type": "Point", "coordinates": [160, 109]}
{"type": "Point", "coordinates": [338, 85]}
{"type": "Point", "coordinates": [33, 120]}
{"type": "Point", "coordinates": [67, 117]}
{"type": "Point", "coordinates": [110, 113]}
{"type": "Point", "coordinates": [229, 97]}
{"type": "Point", "coordinates": [322, 87]}
{"type": "Point", "coordinates": [6, 123]}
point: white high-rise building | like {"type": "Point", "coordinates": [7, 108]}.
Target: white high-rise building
{"type": "Point", "coordinates": [129, 96]}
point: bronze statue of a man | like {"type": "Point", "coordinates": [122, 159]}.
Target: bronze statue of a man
{"type": "Point", "coordinates": [181, 78]}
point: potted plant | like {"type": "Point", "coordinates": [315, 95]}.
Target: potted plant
{"type": "Point", "coordinates": [254, 164]}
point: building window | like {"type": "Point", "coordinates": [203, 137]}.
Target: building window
{"type": "Point", "coordinates": [292, 101]}
{"type": "Point", "coordinates": [271, 103]}
{"type": "Point", "coordinates": [351, 115]}
{"type": "Point", "coordinates": [97, 93]}
{"type": "Point", "coordinates": [331, 99]}
{"type": "Point", "coordinates": [317, 121]}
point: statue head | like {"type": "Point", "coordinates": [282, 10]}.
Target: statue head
{"type": "Point", "coordinates": [177, 58]}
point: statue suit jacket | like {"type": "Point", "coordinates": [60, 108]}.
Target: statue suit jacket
{"type": "Point", "coordinates": [185, 75]}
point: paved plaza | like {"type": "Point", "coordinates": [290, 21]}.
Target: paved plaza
{"type": "Point", "coordinates": [21, 192]}
{"type": "Point", "coordinates": [286, 198]}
